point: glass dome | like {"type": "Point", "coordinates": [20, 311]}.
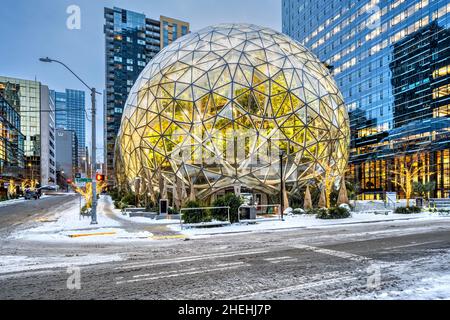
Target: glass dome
{"type": "Point", "coordinates": [218, 107]}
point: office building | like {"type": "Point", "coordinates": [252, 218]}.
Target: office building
{"type": "Point", "coordinates": [131, 41]}
{"type": "Point", "coordinates": [66, 153]}
{"type": "Point", "coordinates": [71, 115]}
{"type": "Point", "coordinates": [11, 138]}
{"type": "Point", "coordinates": [37, 122]}
{"type": "Point", "coordinates": [391, 60]}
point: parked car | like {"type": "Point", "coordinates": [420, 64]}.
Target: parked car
{"type": "Point", "coordinates": [32, 194]}
{"type": "Point", "coordinates": [48, 188]}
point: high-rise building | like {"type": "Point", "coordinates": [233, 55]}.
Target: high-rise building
{"type": "Point", "coordinates": [37, 122]}
{"type": "Point", "coordinates": [66, 153]}
{"type": "Point", "coordinates": [11, 138]}
{"type": "Point", "coordinates": [131, 41]}
{"type": "Point", "coordinates": [71, 115]}
{"type": "Point", "coordinates": [391, 60]}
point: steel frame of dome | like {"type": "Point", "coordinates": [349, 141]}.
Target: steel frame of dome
{"type": "Point", "coordinates": [225, 85]}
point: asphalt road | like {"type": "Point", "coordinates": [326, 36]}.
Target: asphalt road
{"type": "Point", "coordinates": [13, 216]}
{"type": "Point", "coordinates": [369, 261]}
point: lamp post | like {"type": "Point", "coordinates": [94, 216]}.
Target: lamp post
{"type": "Point", "coordinates": [282, 154]}
{"type": "Point", "coordinates": [94, 141]}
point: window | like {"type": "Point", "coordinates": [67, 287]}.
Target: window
{"type": "Point", "coordinates": [441, 91]}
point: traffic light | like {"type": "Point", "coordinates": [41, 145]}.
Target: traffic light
{"type": "Point", "coordinates": [69, 181]}
{"type": "Point", "coordinates": [100, 177]}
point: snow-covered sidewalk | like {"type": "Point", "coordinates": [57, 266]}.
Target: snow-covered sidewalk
{"type": "Point", "coordinates": [302, 221]}
{"type": "Point", "coordinates": [67, 226]}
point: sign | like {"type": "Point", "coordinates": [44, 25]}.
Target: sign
{"type": "Point", "coordinates": [163, 206]}
{"type": "Point", "coordinates": [391, 197]}
{"type": "Point", "coordinates": [83, 180]}
{"type": "Point", "coordinates": [77, 175]}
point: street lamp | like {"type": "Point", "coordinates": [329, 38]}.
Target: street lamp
{"type": "Point", "coordinates": [282, 154]}
{"type": "Point", "coordinates": [94, 140]}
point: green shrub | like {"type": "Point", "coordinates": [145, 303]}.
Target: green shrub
{"type": "Point", "coordinates": [229, 200]}
{"type": "Point", "coordinates": [298, 211]}
{"type": "Point", "coordinates": [333, 213]}
{"type": "Point", "coordinates": [410, 210]}
{"type": "Point", "coordinates": [85, 211]}
{"type": "Point", "coordinates": [195, 216]}
{"type": "Point", "coordinates": [129, 199]}
{"type": "Point", "coordinates": [315, 211]}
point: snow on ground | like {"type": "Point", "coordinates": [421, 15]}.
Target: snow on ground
{"type": "Point", "coordinates": [139, 220]}
{"type": "Point", "coordinates": [301, 221]}
{"type": "Point", "coordinates": [10, 264]}
{"type": "Point", "coordinates": [426, 278]}
{"type": "Point", "coordinates": [69, 223]}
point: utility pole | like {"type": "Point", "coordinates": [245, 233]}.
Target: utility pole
{"type": "Point", "coordinates": [94, 160]}
{"type": "Point", "coordinates": [281, 185]}
{"type": "Point", "coordinates": [94, 141]}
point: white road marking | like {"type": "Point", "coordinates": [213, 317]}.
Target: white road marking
{"type": "Point", "coordinates": [294, 288]}
{"type": "Point", "coordinates": [277, 260]}
{"type": "Point", "coordinates": [412, 245]}
{"type": "Point", "coordinates": [183, 273]}
{"type": "Point", "coordinates": [334, 253]}
{"type": "Point", "coordinates": [190, 259]}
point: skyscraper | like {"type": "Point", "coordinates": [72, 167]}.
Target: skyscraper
{"type": "Point", "coordinates": [37, 122]}
{"type": "Point", "coordinates": [66, 153]}
{"type": "Point", "coordinates": [70, 115]}
{"type": "Point", "coordinates": [131, 41]}
{"type": "Point", "coordinates": [391, 60]}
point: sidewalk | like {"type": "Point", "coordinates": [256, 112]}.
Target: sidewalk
{"type": "Point", "coordinates": [304, 222]}
{"type": "Point", "coordinates": [68, 226]}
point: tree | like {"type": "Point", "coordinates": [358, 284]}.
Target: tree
{"type": "Point", "coordinates": [343, 195]}
{"type": "Point", "coordinates": [86, 192]}
{"type": "Point", "coordinates": [307, 205]}
{"type": "Point", "coordinates": [323, 199]}
{"type": "Point", "coordinates": [327, 181]}
{"type": "Point", "coordinates": [11, 189]}
{"type": "Point", "coordinates": [407, 172]}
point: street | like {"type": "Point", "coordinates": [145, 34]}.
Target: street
{"type": "Point", "coordinates": [389, 260]}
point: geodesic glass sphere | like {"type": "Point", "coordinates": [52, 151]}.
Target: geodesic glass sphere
{"type": "Point", "coordinates": [217, 108]}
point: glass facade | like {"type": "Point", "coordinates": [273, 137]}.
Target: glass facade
{"type": "Point", "coordinates": [390, 60]}
{"type": "Point", "coordinates": [37, 124]}
{"type": "Point", "coordinates": [71, 115]}
{"type": "Point", "coordinates": [131, 41]}
{"type": "Point", "coordinates": [226, 107]}
{"type": "Point", "coordinates": [11, 139]}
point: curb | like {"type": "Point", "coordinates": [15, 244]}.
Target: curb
{"type": "Point", "coordinates": [91, 234]}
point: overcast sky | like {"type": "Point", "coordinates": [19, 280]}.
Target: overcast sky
{"type": "Point", "coordinates": [33, 29]}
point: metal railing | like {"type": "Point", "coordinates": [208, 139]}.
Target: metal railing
{"type": "Point", "coordinates": [202, 209]}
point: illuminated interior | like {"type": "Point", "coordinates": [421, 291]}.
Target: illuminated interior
{"type": "Point", "coordinates": [215, 110]}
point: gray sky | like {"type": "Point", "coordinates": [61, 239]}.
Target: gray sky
{"type": "Point", "coordinates": [32, 29]}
